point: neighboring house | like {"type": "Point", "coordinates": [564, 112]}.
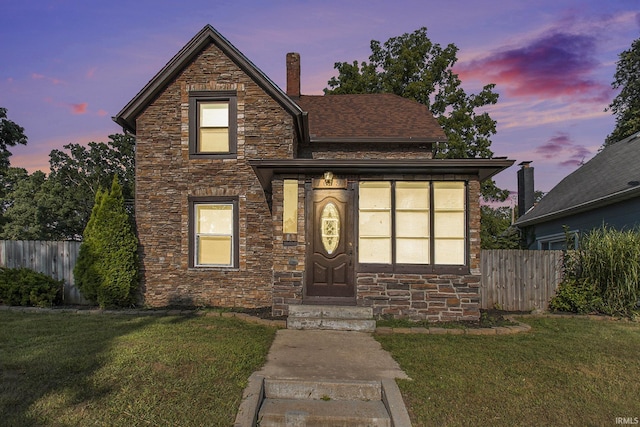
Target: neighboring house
{"type": "Point", "coordinates": [605, 190]}
{"type": "Point", "coordinates": [249, 196]}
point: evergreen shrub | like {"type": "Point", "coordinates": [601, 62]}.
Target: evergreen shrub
{"type": "Point", "coordinates": [107, 268]}
{"type": "Point", "coordinates": [25, 287]}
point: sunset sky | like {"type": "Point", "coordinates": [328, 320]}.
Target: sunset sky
{"type": "Point", "coordinates": [68, 66]}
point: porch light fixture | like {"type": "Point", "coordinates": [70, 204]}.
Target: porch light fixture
{"type": "Point", "coordinates": [328, 178]}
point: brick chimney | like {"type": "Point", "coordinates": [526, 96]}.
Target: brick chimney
{"type": "Point", "coordinates": [293, 74]}
{"type": "Point", "coordinates": [526, 192]}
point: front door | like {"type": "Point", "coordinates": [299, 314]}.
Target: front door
{"type": "Point", "coordinates": [329, 267]}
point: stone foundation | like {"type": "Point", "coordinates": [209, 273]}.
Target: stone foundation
{"type": "Point", "coordinates": [431, 297]}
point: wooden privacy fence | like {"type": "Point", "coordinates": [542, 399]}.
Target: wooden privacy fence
{"type": "Point", "coordinates": [518, 280]}
{"type": "Point", "coordinates": [55, 259]}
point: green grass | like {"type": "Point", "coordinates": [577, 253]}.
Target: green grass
{"type": "Point", "coordinates": [488, 319]}
{"type": "Point", "coordinates": [564, 372]}
{"type": "Point", "coordinates": [118, 370]}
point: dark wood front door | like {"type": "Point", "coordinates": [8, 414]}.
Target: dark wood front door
{"type": "Point", "coordinates": [329, 267]}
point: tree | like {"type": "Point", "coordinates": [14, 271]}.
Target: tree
{"type": "Point", "coordinates": [106, 271]}
{"type": "Point", "coordinates": [11, 134]}
{"type": "Point", "coordinates": [626, 105]}
{"type": "Point", "coordinates": [25, 217]}
{"type": "Point", "coordinates": [496, 231]}
{"type": "Point", "coordinates": [58, 206]}
{"type": "Point", "coordinates": [78, 173]}
{"type": "Point", "coordinates": [414, 67]}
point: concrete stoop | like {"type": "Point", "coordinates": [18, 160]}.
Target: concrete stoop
{"type": "Point", "coordinates": [303, 403]}
{"type": "Point", "coordinates": [337, 318]}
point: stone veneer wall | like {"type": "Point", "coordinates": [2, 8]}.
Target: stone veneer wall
{"type": "Point", "coordinates": [166, 177]}
{"type": "Point", "coordinates": [288, 252]}
{"type": "Point", "coordinates": [360, 150]}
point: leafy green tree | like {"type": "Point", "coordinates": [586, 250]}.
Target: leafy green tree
{"type": "Point", "coordinates": [9, 180]}
{"type": "Point", "coordinates": [78, 173]}
{"type": "Point", "coordinates": [107, 267]}
{"type": "Point", "coordinates": [496, 231]}
{"type": "Point", "coordinates": [414, 67]}
{"type": "Point", "coordinates": [25, 217]}
{"type": "Point", "coordinates": [626, 105]}
{"type": "Point", "coordinates": [58, 206]}
{"type": "Point", "coordinates": [11, 134]}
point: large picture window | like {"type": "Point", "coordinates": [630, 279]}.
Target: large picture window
{"type": "Point", "coordinates": [213, 237]}
{"type": "Point", "coordinates": [412, 223]}
{"type": "Point", "coordinates": [212, 124]}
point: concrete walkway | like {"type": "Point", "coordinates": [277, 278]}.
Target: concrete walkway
{"type": "Point", "coordinates": [329, 355]}
{"type": "Point", "coordinates": [318, 364]}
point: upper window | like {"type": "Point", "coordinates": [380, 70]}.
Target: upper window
{"type": "Point", "coordinates": [214, 232]}
{"type": "Point", "coordinates": [212, 124]}
{"type": "Point", "coordinates": [412, 223]}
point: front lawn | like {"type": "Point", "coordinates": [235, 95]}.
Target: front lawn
{"type": "Point", "coordinates": [118, 370]}
{"type": "Point", "coordinates": [564, 372]}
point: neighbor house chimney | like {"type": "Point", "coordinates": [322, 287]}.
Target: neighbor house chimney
{"type": "Point", "coordinates": [525, 188]}
{"type": "Point", "coordinates": [293, 74]}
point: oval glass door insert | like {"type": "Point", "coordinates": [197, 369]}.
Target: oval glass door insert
{"type": "Point", "coordinates": [330, 227]}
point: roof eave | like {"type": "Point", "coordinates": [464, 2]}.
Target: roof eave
{"type": "Point", "coordinates": [483, 168]}
{"type": "Point", "coordinates": [127, 116]}
{"type": "Point", "coordinates": [376, 140]}
{"type": "Point", "coordinates": [583, 207]}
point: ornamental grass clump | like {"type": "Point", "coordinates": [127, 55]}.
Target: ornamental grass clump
{"type": "Point", "coordinates": [603, 275]}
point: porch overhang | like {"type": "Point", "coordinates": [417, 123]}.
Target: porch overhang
{"type": "Point", "coordinates": [483, 168]}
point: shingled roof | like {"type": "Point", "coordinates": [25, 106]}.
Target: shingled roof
{"type": "Point", "coordinates": [369, 117]}
{"type": "Point", "coordinates": [611, 176]}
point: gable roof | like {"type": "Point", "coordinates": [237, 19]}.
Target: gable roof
{"type": "Point", "coordinates": [127, 116]}
{"type": "Point", "coordinates": [370, 118]}
{"type": "Point", "coordinates": [611, 176]}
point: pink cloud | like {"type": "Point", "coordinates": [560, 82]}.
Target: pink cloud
{"type": "Point", "coordinates": [554, 65]}
{"type": "Point", "coordinates": [102, 113]}
{"type": "Point", "coordinates": [91, 72]}
{"type": "Point", "coordinates": [53, 80]}
{"type": "Point", "coordinates": [79, 108]}
{"type": "Point", "coordinates": [562, 147]}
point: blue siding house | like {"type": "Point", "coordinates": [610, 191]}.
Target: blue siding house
{"type": "Point", "coordinates": [605, 190]}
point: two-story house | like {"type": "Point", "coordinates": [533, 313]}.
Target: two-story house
{"type": "Point", "coordinates": [251, 196]}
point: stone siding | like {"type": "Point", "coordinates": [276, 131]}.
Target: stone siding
{"type": "Point", "coordinates": [421, 296]}
{"type": "Point", "coordinates": [359, 150]}
{"type": "Point", "coordinates": [288, 252]}
{"type": "Point", "coordinates": [166, 177]}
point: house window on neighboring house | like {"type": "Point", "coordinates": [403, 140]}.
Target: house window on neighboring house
{"type": "Point", "coordinates": [411, 224]}
{"type": "Point", "coordinates": [559, 241]}
{"type": "Point", "coordinates": [212, 124]}
{"type": "Point", "coordinates": [214, 232]}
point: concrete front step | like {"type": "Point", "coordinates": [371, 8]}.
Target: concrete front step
{"type": "Point", "coordinates": [338, 318]}
{"type": "Point", "coordinates": [321, 413]}
{"type": "Point", "coordinates": [319, 390]}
